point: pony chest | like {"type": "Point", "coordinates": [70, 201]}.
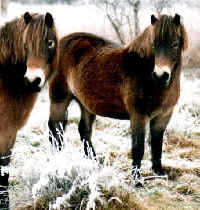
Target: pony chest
{"type": "Point", "coordinates": [152, 102]}
{"type": "Point", "coordinates": [14, 111]}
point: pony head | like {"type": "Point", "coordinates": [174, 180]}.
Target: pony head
{"type": "Point", "coordinates": [40, 48]}
{"type": "Point", "coordinates": [169, 40]}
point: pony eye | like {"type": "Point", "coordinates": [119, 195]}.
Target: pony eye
{"type": "Point", "coordinates": [51, 44]}
{"type": "Point", "coordinates": [175, 45]}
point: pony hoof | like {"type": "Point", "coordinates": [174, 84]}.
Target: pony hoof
{"type": "Point", "coordinates": [138, 185]}
{"type": "Point", "coordinates": [159, 172]}
{"type": "Point", "coordinates": [136, 172]}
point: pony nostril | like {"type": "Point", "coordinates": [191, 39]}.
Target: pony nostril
{"type": "Point", "coordinates": [154, 75]}
{"type": "Point", "coordinates": [165, 76]}
{"type": "Point", "coordinates": [26, 81]}
{"type": "Point", "coordinates": [37, 81]}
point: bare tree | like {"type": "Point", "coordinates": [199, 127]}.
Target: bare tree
{"type": "Point", "coordinates": [115, 18]}
{"type": "Point", "coordinates": [123, 16]}
{"type": "Point", "coordinates": [4, 7]}
{"type": "Point", "coordinates": [162, 4]}
{"type": "Point", "coordinates": [135, 4]}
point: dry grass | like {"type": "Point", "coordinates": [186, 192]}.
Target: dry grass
{"type": "Point", "coordinates": [113, 189]}
{"type": "Point", "coordinates": [114, 203]}
{"type": "Point", "coordinates": [71, 182]}
{"type": "Point", "coordinates": [188, 149]}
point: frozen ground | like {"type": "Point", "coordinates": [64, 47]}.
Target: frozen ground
{"type": "Point", "coordinates": [36, 172]}
{"type": "Point", "coordinates": [70, 179]}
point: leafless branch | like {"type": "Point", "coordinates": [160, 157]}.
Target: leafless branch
{"type": "Point", "coordinates": [116, 28]}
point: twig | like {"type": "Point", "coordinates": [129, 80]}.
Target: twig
{"type": "Point", "coordinates": [155, 177]}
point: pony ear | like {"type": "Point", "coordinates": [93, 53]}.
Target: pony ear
{"type": "Point", "coordinates": [177, 19]}
{"type": "Point", "coordinates": [49, 20]}
{"type": "Point", "coordinates": [27, 17]}
{"type": "Point", "coordinates": [153, 19]}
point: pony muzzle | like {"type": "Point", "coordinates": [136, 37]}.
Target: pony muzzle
{"type": "Point", "coordinates": [162, 74]}
{"type": "Point", "coordinates": [35, 76]}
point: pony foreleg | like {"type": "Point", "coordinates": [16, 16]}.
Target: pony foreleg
{"type": "Point", "coordinates": [138, 127]}
{"type": "Point", "coordinates": [157, 129]}
{"type": "Point", "coordinates": [137, 154]}
{"type": "Point", "coordinates": [4, 176]}
{"type": "Point", "coordinates": [4, 195]}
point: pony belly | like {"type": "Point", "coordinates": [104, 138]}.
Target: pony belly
{"type": "Point", "coordinates": [100, 97]}
{"type": "Point", "coordinates": [105, 108]}
{"type": "Point", "coordinates": [108, 113]}
{"type": "Point", "coordinates": [117, 115]}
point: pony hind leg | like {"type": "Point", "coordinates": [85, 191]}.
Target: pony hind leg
{"type": "Point", "coordinates": [60, 98]}
{"type": "Point", "coordinates": [85, 131]}
{"type": "Point", "coordinates": [58, 120]}
{"type": "Point", "coordinates": [57, 123]}
{"type": "Point", "coordinates": [157, 129]}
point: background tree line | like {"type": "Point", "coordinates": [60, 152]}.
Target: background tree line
{"type": "Point", "coordinates": [43, 1]}
{"type": "Point", "coordinates": [123, 15]}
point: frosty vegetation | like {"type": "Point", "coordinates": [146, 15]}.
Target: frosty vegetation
{"type": "Point", "coordinates": [44, 179]}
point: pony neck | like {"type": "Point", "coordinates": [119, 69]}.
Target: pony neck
{"type": "Point", "coordinates": [11, 42]}
{"type": "Point", "coordinates": [142, 44]}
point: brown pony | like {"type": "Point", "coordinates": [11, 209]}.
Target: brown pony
{"type": "Point", "coordinates": [28, 49]}
{"type": "Point", "coordinates": [139, 81]}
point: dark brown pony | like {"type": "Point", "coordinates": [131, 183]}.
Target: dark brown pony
{"type": "Point", "coordinates": [28, 48]}
{"type": "Point", "coordinates": [139, 81]}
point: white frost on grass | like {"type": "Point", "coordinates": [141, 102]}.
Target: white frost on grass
{"type": "Point", "coordinates": [68, 172]}
{"type": "Point", "coordinates": [79, 180]}
{"type": "Point", "coordinates": [186, 117]}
